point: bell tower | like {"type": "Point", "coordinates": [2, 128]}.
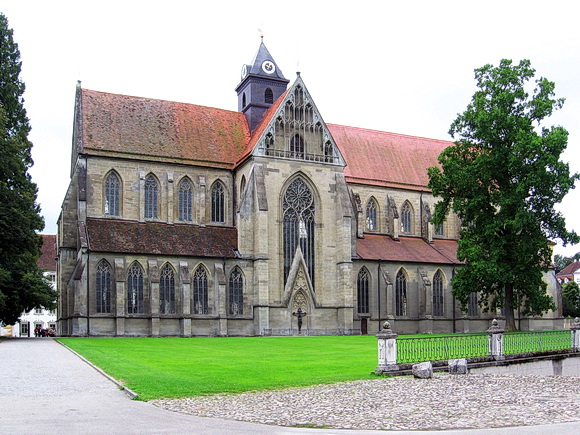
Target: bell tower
{"type": "Point", "coordinates": [262, 83]}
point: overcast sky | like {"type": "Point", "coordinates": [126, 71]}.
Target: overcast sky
{"type": "Point", "coordinates": [403, 67]}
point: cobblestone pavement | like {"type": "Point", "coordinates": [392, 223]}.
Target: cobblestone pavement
{"type": "Point", "coordinates": [402, 403]}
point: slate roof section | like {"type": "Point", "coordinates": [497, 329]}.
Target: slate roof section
{"type": "Point", "coordinates": [407, 249]}
{"type": "Point", "coordinates": [47, 259]}
{"type": "Point", "coordinates": [386, 159]}
{"type": "Point", "coordinates": [156, 238]}
{"type": "Point", "coordinates": [162, 130]}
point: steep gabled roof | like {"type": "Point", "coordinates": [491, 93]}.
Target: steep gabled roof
{"type": "Point", "coordinates": [407, 249]}
{"type": "Point", "coordinates": [120, 125]}
{"type": "Point", "coordinates": [386, 159]}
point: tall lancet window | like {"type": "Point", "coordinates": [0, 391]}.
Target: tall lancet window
{"type": "Point", "coordinates": [112, 194]}
{"type": "Point", "coordinates": [185, 200]}
{"type": "Point", "coordinates": [135, 289]}
{"type": "Point", "coordinates": [298, 225]}
{"type": "Point", "coordinates": [218, 205]}
{"type": "Point", "coordinates": [167, 290]}
{"type": "Point", "coordinates": [151, 197]}
{"type": "Point", "coordinates": [372, 215]}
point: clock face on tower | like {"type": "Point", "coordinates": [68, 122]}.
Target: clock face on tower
{"type": "Point", "coordinates": [244, 71]}
{"type": "Point", "coordinates": [268, 67]}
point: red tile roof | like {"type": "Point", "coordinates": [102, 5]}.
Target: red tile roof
{"type": "Point", "coordinates": [162, 130]}
{"type": "Point", "coordinates": [47, 260]}
{"type": "Point", "coordinates": [407, 249]}
{"type": "Point", "coordinates": [155, 238]}
{"type": "Point", "coordinates": [386, 159]}
{"type": "Point", "coordinates": [569, 270]}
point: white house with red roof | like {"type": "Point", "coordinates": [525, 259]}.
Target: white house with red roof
{"type": "Point", "coordinates": [185, 220]}
{"type": "Point", "coordinates": [569, 273]}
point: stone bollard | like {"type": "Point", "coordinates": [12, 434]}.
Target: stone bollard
{"type": "Point", "coordinates": [495, 336]}
{"type": "Point", "coordinates": [387, 343]}
{"type": "Point", "coordinates": [575, 328]}
{"type": "Point", "coordinates": [423, 370]}
{"type": "Point", "coordinates": [458, 366]}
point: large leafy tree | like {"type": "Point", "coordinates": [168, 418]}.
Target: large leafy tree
{"type": "Point", "coordinates": [571, 299]}
{"type": "Point", "coordinates": [503, 177]}
{"type": "Point", "coordinates": [22, 286]}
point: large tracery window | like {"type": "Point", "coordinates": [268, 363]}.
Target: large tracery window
{"type": "Point", "coordinates": [112, 194]}
{"type": "Point", "coordinates": [103, 287]}
{"type": "Point", "coordinates": [401, 294]}
{"type": "Point", "coordinates": [236, 293]}
{"type": "Point", "coordinates": [167, 290]}
{"type": "Point", "coordinates": [372, 215]}
{"type": "Point", "coordinates": [218, 205]}
{"type": "Point", "coordinates": [185, 200]}
{"type": "Point", "coordinates": [362, 291]}
{"type": "Point", "coordinates": [298, 225]}
{"type": "Point", "coordinates": [406, 218]}
{"type": "Point", "coordinates": [135, 289]}
{"type": "Point", "coordinates": [438, 294]}
{"type": "Point", "coordinates": [200, 301]}
{"type": "Point", "coordinates": [151, 197]}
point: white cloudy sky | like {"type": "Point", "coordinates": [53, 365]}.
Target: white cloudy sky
{"type": "Point", "coordinates": [398, 66]}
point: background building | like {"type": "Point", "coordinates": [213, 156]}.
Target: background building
{"type": "Point", "coordinates": [186, 220]}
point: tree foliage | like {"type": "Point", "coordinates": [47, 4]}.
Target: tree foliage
{"type": "Point", "coordinates": [503, 177]}
{"type": "Point", "coordinates": [22, 286]}
{"type": "Point", "coordinates": [571, 299]}
{"type": "Point", "coordinates": [561, 262]}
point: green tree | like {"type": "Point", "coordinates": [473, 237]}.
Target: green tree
{"type": "Point", "coordinates": [22, 286]}
{"type": "Point", "coordinates": [502, 177]}
{"type": "Point", "coordinates": [571, 299]}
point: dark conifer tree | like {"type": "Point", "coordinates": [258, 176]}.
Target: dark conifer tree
{"type": "Point", "coordinates": [22, 286]}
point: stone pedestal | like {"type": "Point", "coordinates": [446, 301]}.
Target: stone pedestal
{"type": "Point", "coordinates": [387, 349]}
{"type": "Point", "coordinates": [495, 338]}
{"type": "Point", "coordinates": [575, 328]}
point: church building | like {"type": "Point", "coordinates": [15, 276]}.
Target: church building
{"type": "Point", "coordinates": [184, 220]}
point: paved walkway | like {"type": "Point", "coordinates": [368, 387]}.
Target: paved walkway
{"type": "Point", "coordinates": [44, 388]}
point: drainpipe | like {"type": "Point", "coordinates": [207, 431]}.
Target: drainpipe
{"type": "Point", "coordinates": [379, 293]}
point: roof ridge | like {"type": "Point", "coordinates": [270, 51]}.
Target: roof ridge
{"type": "Point", "coordinates": [387, 132]}
{"type": "Point", "coordinates": [162, 100]}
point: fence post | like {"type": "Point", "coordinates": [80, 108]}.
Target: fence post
{"type": "Point", "coordinates": [495, 336]}
{"type": "Point", "coordinates": [575, 328]}
{"type": "Point", "coordinates": [387, 342]}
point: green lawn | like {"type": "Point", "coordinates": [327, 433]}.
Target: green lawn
{"type": "Point", "coordinates": [179, 367]}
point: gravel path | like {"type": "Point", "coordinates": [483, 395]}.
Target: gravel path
{"type": "Point", "coordinates": [401, 403]}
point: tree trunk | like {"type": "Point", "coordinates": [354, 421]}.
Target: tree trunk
{"type": "Point", "coordinates": [508, 307]}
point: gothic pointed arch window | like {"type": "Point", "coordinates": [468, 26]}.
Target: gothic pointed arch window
{"type": "Point", "coordinates": [268, 96]}
{"type": "Point", "coordinates": [185, 209]}
{"type": "Point", "coordinates": [200, 299]}
{"type": "Point", "coordinates": [406, 222]}
{"type": "Point", "coordinates": [167, 290]}
{"type": "Point", "coordinates": [472, 305]}
{"type": "Point", "coordinates": [151, 197]}
{"type": "Point", "coordinates": [236, 293]}
{"type": "Point", "coordinates": [298, 210]}
{"type": "Point", "coordinates": [328, 152]}
{"type": "Point", "coordinates": [439, 230]}
{"type": "Point", "coordinates": [243, 100]}
{"type": "Point", "coordinates": [103, 291]}
{"type": "Point", "coordinates": [297, 146]}
{"type": "Point", "coordinates": [371, 221]}
{"type": "Point", "coordinates": [243, 186]}
{"type": "Point", "coordinates": [135, 289]}
{"type": "Point", "coordinates": [438, 294]}
{"type": "Point", "coordinates": [112, 194]}
{"type": "Point", "coordinates": [269, 144]}
{"type": "Point", "coordinates": [362, 291]}
{"type": "Point", "coordinates": [218, 204]}
{"type": "Point", "coordinates": [401, 294]}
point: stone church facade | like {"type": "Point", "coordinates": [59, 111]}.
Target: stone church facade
{"type": "Point", "coordinates": [183, 220]}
